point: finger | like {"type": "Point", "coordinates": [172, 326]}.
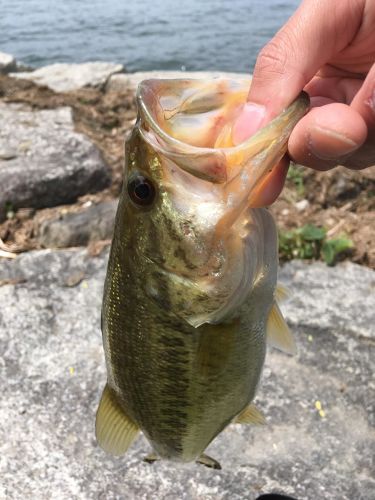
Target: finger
{"type": "Point", "coordinates": [313, 35]}
{"type": "Point", "coordinates": [335, 88]}
{"type": "Point", "coordinates": [249, 121]}
{"type": "Point", "coordinates": [320, 101]}
{"type": "Point", "coordinates": [327, 136]}
{"type": "Point", "coordinates": [272, 185]}
{"type": "Point", "coordinates": [364, 104]}
{"type": "Point", "coordinates": [364, 100]}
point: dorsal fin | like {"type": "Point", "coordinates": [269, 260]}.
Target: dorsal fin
{"type": "Point", "coordinates": [250, 415]}
{"type": "Point", "coordinates": [278, 333]}
{"type": "Point", "coordinates": [115, 431]}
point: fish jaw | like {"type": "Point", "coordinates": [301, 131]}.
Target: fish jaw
{"type": "Point", "coordinates": [252, 161]}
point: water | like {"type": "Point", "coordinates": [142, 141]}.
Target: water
{"type": "Point", "coordinates": [142, 34]}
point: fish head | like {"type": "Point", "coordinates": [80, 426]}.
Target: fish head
{"type": "Point", "coordinates": [188, 195]}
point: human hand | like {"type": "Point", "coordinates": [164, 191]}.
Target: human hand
{"type": "Point", "coordinates": [328, 49]}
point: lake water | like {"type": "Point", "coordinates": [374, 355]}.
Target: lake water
{"type": "Point", "coordinates": [143, 34]}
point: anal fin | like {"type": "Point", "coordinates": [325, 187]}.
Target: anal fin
{"type": "Point", "coordinates": [278, 333]}
{"type": "Point", "coordinates": [115, 431]}
{"type": "Point", "coordinates": [250, 415]}
{"type": "Point", "coordinates": [208, 462]}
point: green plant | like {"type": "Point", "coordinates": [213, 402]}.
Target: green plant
{"type": "Point", "coordinates": [331, 249]}
{"type": "Point", "coordinates": [311, 242]}
{"type": "Point", "coordinates": [295, 175]}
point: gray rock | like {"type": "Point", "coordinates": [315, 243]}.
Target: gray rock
{"type": "Point", "coordinates": [302, 205]}
{"type": "Point", "coordinates": [7, 154]}
{"type": "Point", "coordinates": [118, 83]}
{"type": "Point", "coordinates": [341, 298]}
{"type": "Point", "coordinates": [62, 77]}
{"type": "Point", "coordinates": [78, 229]}
{"type": "Point", "coordinates": [52, 372]}
{"type": "Point", "coordinates": [50, 164]}
{"type": "Point", "coordinates": [7, 63]}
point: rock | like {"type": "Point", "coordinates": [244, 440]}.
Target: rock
{"type": "Point", "coordinates": [50, 164]}
{"type": "Point", "coordinates": [340, 299]}
{"type": "Point", "coordinates": [118, 83]}
{"type": "Point", "coordinates": [319, 438]}
{"type": "Point", "coordinates": [7, 154]}
{"type": "Point", "coordinates": [63, 77]}
{"type": "Point", "coordinates": [78, 229]}
{"type": "Point", "coordinates": [302, 205]}
{"type": "Point", "coordinates": [7, 63]}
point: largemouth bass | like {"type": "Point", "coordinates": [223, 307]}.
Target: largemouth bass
{"type": "Point", "coordinates": [190, 294]}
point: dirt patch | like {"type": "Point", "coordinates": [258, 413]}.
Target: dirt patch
{"type": "Point", "coordinates": [342, 201]}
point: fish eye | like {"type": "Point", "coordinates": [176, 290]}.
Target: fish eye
{"type": "Point", "coordinates": [141, 191]}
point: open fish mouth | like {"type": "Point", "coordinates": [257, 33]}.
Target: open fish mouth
{"type": "Point", "coordinates": [190, 122]}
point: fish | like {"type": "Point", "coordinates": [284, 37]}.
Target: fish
{"type": "Point", "coordinates": [191, 296]}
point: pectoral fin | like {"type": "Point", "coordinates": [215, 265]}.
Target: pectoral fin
{"type": "Point", "coordinates": [278, 333]}
{"type": "Point", "coordinates": [250, 415]}
{"type": "Point", "coordinates": [282, 293]}
{"type": "Point", "coordinates": [115, 431]}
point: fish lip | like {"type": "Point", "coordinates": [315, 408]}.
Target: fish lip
{"type": "Point", "coordinates": [147, 86]}
{"type": "Point", "coordinates": [216, 171]}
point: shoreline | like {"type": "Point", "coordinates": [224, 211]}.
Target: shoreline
{"type": "Point", "coordinates": [102, 110]}
{"type": "Point", "coordinates": [65, 77]}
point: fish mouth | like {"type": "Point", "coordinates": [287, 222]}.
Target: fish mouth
{"type": "Point", "coordinates": [168, 133]}
{"type": "Point", "coordinates": [237, 171]}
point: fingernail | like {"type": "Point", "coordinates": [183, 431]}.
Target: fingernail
{"type": "Point", "coordinates": [248, 122]}
{"type": "Point", "coordinates": [328, 144]}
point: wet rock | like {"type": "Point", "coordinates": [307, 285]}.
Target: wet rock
{"type": "Point", "coordinates": [46, 163]}
{"type": "Point", "coordinates": [78, 229]}
{"type": "Point", "coordinates": [118, 83]}
{"type": "Point", "coordinates": [7, 63]}
{"type": "Point", "coordinates": [63, 77]}
{"type": "Point", "coordinates": [319, 438]}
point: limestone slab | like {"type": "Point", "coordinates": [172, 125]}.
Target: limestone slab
{"type": "Point", "coordinates": [52, 373]}
{"type": "Point", "coordinates": [45, 162]}
{"type": "Point", "coordinates": [62, 77]}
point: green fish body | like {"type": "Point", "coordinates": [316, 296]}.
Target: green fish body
{"type": "Point", "coordinates": [190, 291]}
